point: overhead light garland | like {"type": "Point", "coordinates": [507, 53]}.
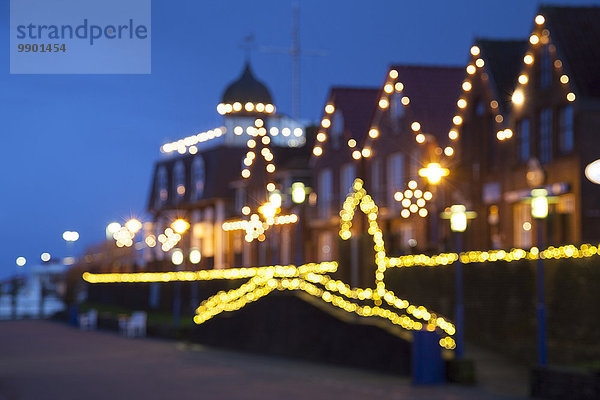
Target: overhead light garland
{"type": "Point", "coordinates": [189, 144]}
{"type": "Point", "coordinates": [225, 108]}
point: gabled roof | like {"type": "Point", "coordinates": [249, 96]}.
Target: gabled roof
{"type": "Point", "coordinates": [503, 60]}
{"type": "Point", "coordinates": [432, 91]}
{"type": "Point", "coordinates": [356, 105]}
{"type": "Point", "coordinates": [576, 33]}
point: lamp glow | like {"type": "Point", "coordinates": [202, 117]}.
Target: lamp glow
{"type": "Point", "coordinates": [195, 256]}
{"type": "Point", "coordinates": [177, 257]}
{"type": "Point", "coordinates": [134, 225]}
{"type": "Point", "coordinates": [434, 173]}
{"type": "Point", "coordinates": [458, 218]}
{"type": "Point", "coordinates": [298, 192]}
{"type": "Point", "coordinates": [180, 226]}
{"type": "Point", "coordinates": [539, 203]}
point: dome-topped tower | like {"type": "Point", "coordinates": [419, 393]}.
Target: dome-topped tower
{"type": "Point", "coordinates": [246, 94]}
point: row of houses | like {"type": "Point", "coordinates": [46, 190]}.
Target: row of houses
{"type": "Point", "coordinates": [265, 189]}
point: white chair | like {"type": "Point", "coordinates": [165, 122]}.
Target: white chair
{"type": "Point", "coordinates": [134, 325]}
{"type": "Point", "coordinates": [88, 321]}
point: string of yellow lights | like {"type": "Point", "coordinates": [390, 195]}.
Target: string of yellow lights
{"type": "Point", "coordinates": [313, 279]}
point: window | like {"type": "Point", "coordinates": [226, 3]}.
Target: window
{"type": "Point", "coordinates": [395, 176]}
{"type": "Point", "coordinates": [337, 128]}
{"type": "Point", "coordinates": [325, 246]}
{"type": "Point", "coordinates": [240, 198]}
{"type": "Point", "coordinates": [324, 198]}
{"type": "Point", "coordinates": [179, 180]}
{"type": "Point", "coordinates": [545, 135]}
{"type": "Point", "coordinates": [198, 176]}
{"type": "Point", "coordinates": [567, 141]}
{"type": "Point", "coordinates": [480, 109]}
{"type": "Point", "coordinates": [523, 129]}
{"type": "Point", "coordinates": [522, 225]}
{"type": "Point", "coordinates": [376, 179]}
{"type": "Point", "coordinates": [396, 107]}
{"type": "Point", "coordinates": [491, 159]}
{"type": "Point", "coordinates": [162, 186]}
{"type": "Point", "coordinates": [545, 68]}
{"type": "Point", "coordinates": [414, 163]}
{"type": "Point", "coordinates": [347, 176]}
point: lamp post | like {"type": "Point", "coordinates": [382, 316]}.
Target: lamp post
{"type": "Point", "coordinates": [179, 226]}
{"type": "Point", "coordinates": [298, 197]}
{"type": "Point", "coordinates": [70, 238]}
{"type": "Point", "coordinates": [434, 173]}
{"type": "Point", "coordinates": [539, 211]}
{"type": "Point", "coordinates": [459, 217]}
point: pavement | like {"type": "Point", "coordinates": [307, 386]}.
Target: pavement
{"type": "Point", "coordinates": [50, 360]}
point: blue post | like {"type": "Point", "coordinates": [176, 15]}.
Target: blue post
{"type": "Point", "coordinates": [459, 312]}
{"type": "Point", "coordinates": [541, 299]}
{"type": "Point", "coordinates": [299, 256]}
{"type": "Point", "coordinates": [176, 303]}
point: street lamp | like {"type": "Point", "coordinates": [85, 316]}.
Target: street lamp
{"type": "Point", "coordinates": [298, 192]}
{"type": "Point", "coordinates": [195, 256]}
{"type": "Point", "coordinates": [21, 261]}
{"type": "Point", "coordinates": [434, 173]}
{"type": "Point", "coordinates": [133, 225]}
{"type": "Point", "coordinates": [539, 211]}
{"type": "Point", "coordinates": [177, 257]}
{"type": "Point", "coordinates": [180, 226]}
{"type": "Point", "coordinates": [459, 216]}
{"type": "Point", "coordinates": [298, 197]}
{"type": "Point", "coordinates": [70, 236]}
{"type": "Point", "coordinates": [111, 229]}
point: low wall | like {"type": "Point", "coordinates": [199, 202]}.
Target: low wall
{"type": "Point", "coordinates": [285, 325]}
{"type": "Point", "coordinates": [500, 304]}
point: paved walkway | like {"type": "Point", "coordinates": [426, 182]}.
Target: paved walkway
{"type": "Point", "coordinates": [48, 360]}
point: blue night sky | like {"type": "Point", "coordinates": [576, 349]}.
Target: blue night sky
{"type": "Point", "coordinates": [78, 150]}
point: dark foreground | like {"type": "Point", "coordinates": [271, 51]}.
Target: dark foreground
{"type": "Point", "coordinates": [47, 360]}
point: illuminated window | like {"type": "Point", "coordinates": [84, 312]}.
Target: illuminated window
{"type": "Point", "coordinates": [523, 129]}
{"type": "Point", "coordinates": [325, 194]}
{"type": "Point", "coordinates": [566, 129]}
{"type": "Point", "coordinates": [162, 191]}
{"type": "Point", "coordinates": [198, 177]}
{"type": "Point", "coordinates": [179, 180]}
{"type": "Point", "coordinates": [522, 223]}
{"type": "Point", "coordinates": [545, 135]}
{"type": "Point", "coordinates": [395, 177]}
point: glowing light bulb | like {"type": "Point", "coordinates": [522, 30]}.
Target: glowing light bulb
{"type": "Point", "coordinates": [534, 39]}
{"type": "Point", "coordinates": [517, 97]}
